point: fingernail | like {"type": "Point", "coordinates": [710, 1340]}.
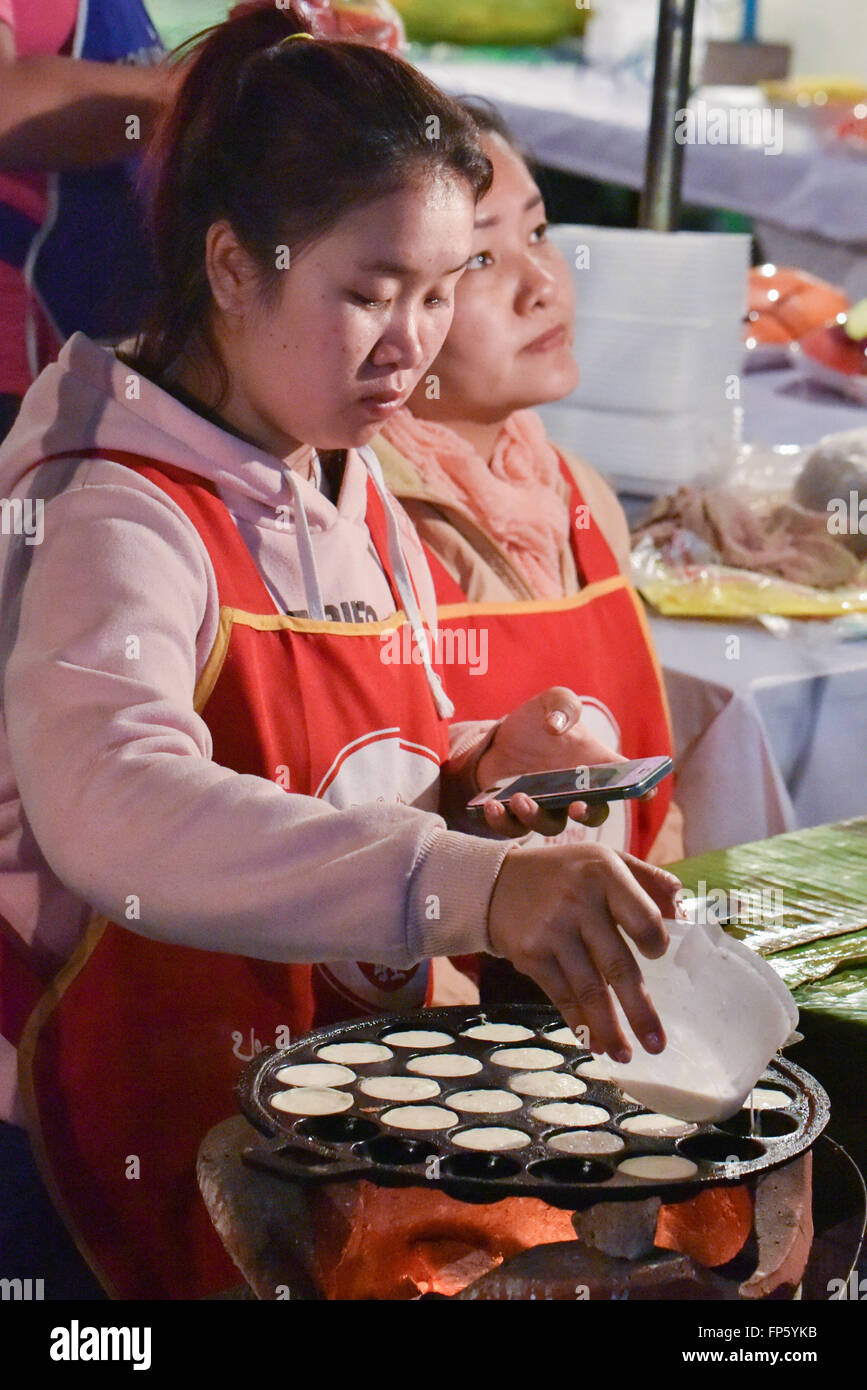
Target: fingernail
{"type": "Point", "coordinates": [559, 720]}
{"type": "Point", "coordinates": [623, 1055]}
{"type": "Point", "coordinates": [653, 1042]}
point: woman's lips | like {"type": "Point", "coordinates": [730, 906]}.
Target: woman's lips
{"type": "Point", "coordinates": [548, 342]}
{"type": "Point", "coordinates": [382, 406]}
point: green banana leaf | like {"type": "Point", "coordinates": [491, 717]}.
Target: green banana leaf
{"type": "Point", "coordinates": [817, 942]}
{"type": "Point", "coordinates": [818, 880]}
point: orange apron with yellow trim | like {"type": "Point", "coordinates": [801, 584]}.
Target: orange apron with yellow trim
{"type": "Point", "coordinates": [132, 1053]}
{"type": "Point", "coordinates": [497, 655]}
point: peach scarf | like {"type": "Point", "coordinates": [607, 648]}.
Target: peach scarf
{"type": "Point", "coordinates": [514, 498]}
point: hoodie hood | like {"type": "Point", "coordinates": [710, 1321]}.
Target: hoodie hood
{"type": "Point", "coordinates": [89, 400]}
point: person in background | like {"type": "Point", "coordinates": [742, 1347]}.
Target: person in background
{"type": "Point", "coordinates": [528, 546]}
{"type": "Point", "coordinates": [80, 87]}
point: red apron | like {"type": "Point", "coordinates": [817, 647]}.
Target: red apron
{"type": "Point", "coordinates": [132, 1053]}
{"type": "Point", "coordinates": [497, 655]}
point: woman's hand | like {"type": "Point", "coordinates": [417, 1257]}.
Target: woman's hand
{"type": "Point", "coordinates": [541, 735]}
{"type": "Point", "coordinates": [554, 913]}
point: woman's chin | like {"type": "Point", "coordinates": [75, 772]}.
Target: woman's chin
{"type": "Point", "coordinates": [544, 389]}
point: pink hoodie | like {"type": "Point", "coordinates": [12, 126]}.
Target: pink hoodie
{"type": "Point", "coordinates": [107, 787]}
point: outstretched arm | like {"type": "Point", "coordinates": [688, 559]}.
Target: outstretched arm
{"type": "Point", "coordinates": [67, 113]}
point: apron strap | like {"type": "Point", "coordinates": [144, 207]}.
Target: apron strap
{"type": "Point", "coordinates": [21, 984]}
{"type": "Point", "coordinates": [448, 590]}
{"type": "Point", "coordinates": [377, 525]}
{"type": "Point", "coordinates": [17, 230]}
{"type": "Point", "coordinates": [593, 555]}
{"type": "Point", "coordinates": [256, 596]}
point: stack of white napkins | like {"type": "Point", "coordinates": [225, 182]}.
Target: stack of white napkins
{"type": "Point", "coordinates": [725, 1012]}
{"type": "Point", "coordinates": [658, 339]}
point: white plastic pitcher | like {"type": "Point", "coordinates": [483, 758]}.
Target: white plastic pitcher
{"type": "Point", "coordinates": [725, 1012]}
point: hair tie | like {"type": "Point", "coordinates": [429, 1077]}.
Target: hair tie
{"type": "Point", "coordinates": [290, 38]}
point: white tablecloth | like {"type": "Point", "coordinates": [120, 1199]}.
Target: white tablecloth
{"type": "Point", "coordinates": [774, 738]}
{"type": "Point", "coordinates": [769, 740]}
{"type": "Point", "coordinates": [588, 122]}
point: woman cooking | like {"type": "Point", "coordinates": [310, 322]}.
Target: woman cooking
{"type": "Point", "coordinates": [217, 797]}
{"type": "Point", "coordinates": [527, 546]}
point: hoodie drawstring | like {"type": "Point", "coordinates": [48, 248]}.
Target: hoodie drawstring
{"type": "Point", "coordinates": [313, 589]}
{"type": "Point", "coordinates": [402, 579]}
{"type": "Point", "coordinates": [309, 572]}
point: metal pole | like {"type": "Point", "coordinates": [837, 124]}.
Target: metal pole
{"type": "Point", "coordinates": [663, 171]}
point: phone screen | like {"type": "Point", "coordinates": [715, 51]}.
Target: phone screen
{"type": "Point", "coordinates": [601, 782]}
{"type": "Point", "coordinates": [570, 779]}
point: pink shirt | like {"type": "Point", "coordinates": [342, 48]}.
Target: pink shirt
{"type": "Point", "coordinates": [43, 28]}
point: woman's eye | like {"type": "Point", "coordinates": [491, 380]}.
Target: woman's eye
{"type": "Point", "coordinates": [540, 233]}
{"type": "Point", "coordinates": [367, 303]}
{"type": "Point", "coordinates": [481, 258]}
{"type": "Point", "coordinates": [437, 301]}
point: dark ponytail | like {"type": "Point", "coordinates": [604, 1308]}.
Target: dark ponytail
{"type": "Point", "coordinates": [281, 140]}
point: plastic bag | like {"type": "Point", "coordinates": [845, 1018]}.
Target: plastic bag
{"type": "Point", "coordinates": [705, 590]}
{"type": "Point", "coordinates": [374, 22]}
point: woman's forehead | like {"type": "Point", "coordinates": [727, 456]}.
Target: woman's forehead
{"type": "Point", "coordinates": [513, 188]}
{"type": "Point", "coordinates": [393, 229]}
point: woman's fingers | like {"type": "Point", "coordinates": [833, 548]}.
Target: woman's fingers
{"type": "Point", "coordinates": [499, 819]}
{"type": "Point", "coordinates": [566, 915]}
{"type": "Point", "coordinates": [561, 708]}
{"type": "Point", "coordinates": [592, 816]}
{"type": "Point", "coordinates": [522, 814]}
{"type": "Point", "coordinates": [598, 957]}
{"type": "Point", "coordinates": [618, 967]}
{"type": "Point", "coordinates": [549, 976]}
{"type": "Point", "coordinates": [660, 886]}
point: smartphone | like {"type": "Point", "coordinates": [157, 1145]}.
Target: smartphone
{"type": "Point", "coordinates": [602, 782]}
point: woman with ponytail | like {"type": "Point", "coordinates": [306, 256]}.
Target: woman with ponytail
{"type": "Point", "coordinates": [221, 803]}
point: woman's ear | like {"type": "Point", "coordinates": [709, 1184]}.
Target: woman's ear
{"type": "Point", "coordinates": [231, 271]}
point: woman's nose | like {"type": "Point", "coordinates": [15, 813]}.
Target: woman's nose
{"type": "Point", "coordinates": [400, 345]}
{"type": "Point", "coordinates": [535, 284]}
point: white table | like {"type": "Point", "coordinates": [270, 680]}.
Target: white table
{"type": "Point", "coordinates": [770, 733]}
{"type": "Point", "coordinates": [808, 200]}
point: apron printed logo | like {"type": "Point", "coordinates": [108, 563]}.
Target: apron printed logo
{"type": "Point", "coordinates": [381, 767]}
{"type": "Point", "coordinates": [385, 978]}
{"type": "Point", "coordinates": [282, 1038]}
{"type": "Point", "coordinates": [255, 1046]}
